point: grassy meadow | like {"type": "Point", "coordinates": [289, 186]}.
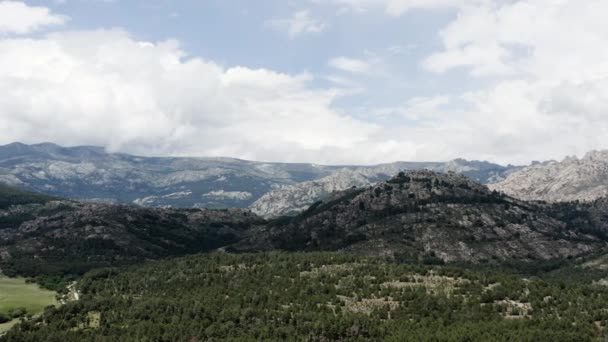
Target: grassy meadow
{"type": "Point", "coordinates": [16, 293]}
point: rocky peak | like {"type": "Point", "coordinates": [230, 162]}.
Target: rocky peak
{"type": "Point", "coordinates": [292, 199]}
{"type": "Point", "coordinates": [571, 179]}
{"type": "Point", "coordinates": [423, 213]}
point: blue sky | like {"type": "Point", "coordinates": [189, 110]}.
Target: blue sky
{"type": "Point", "coordinates": [238, 33]}
{"type": "Point", "coordinates": [324, 81]}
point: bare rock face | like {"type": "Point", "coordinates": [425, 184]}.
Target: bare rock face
{"type": "Point", "coordinates": [423, 214]}
{"type": "Point", "coordinates": [292, 199]}
{"type": "Point", "coordinates": [584, 179]}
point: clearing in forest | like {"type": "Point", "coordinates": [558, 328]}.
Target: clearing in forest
{"type": "Point", "coordinates": [17, 293]}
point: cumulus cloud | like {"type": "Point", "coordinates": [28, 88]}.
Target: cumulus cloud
{"type": "Point", "coordinates": [300, 22]}
{"type": "Point", "coordinates": [543, 73]}
{"type": "Point", "coordinates": [19, 18]}
{"type": "Point", "coordinates": [106, 88]}
{"type": "Point", "coordinates": [542, 94]}
{"type": "Point", "coordinates": [541, 38]}
{"type": "Point", "coordinates": [548, 59]}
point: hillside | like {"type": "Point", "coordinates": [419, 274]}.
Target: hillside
{"type": "Point", "coordinates": [572, 179]}
{"type": "Point", "coordinates": [318, 297]}
{"type": "Point", "coordinates": [61, 238]}
{"type": "Point", "coordinates": [423, 214]}
{"type": "Point", "coordinates": [13, 196]}
{"type": "Point", "coordinates": [89, 173]}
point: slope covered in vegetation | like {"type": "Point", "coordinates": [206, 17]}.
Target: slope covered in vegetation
{"type": "Point", "coordinates": [13, 196]}
{"type": "Point", "coordinates": [61, 239]}
{"type": "Point", "coordinates": [318, 297]}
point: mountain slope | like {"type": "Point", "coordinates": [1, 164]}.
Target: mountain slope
{"type": "Point", "coordinates": [89, 173]}
{"type": "Point", "coordinates": [584, 179]}
{"type": "Point", "coordinates": [12, 196]}
{"type": "Point", "coordinates": [60, 237]}
{"type": "Point", "coordinates": [423, 214]}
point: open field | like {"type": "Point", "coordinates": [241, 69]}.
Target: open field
{"type": "Point", "coordinates": [15, 293]}
{"type": "Point", "coordinates": [4, 327]}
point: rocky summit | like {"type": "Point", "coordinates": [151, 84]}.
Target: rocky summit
{"type": "Point", "coordinates": [288, 200]}
{"type": "Point", "coordinates": [423, 214]}
{"type": "Point", "coordinates": [583, 179]}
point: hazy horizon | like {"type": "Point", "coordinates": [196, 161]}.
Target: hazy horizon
{"type": "Point", "coordinates": [290, 162]}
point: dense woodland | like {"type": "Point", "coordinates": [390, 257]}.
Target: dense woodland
{"type": "Point", "coordinates": [319, 297]}
{"type": "Point", "coordinates": [11, 196]}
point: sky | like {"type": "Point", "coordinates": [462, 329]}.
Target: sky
{"type": "Point", "coordinates": [320, 81]}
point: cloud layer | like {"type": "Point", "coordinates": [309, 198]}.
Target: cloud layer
{"type": "Point", "coordinates": [105, 88]}
{"type": "Point", "coordinates": [540, 67]}
{"type": "Point", "coordinates": [550, 62]}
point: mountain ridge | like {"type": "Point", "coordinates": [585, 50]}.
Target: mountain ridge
{"type": "Point", "coordinates": [89, 173]}
{"type": "Point", "coordinates": [443, 215]}
{"type": "Point", "coordinates": [292, 199]}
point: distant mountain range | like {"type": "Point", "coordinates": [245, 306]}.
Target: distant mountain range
{"type": "Point", "coordinates": [89, 173]}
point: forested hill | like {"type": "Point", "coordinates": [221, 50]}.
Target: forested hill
{"type": "Point", "coordinates": [318, 297]}
{"type": "Point", "coordinates": [14, 196]}
{"type": "Point", "coordinates": [61, 238]}
{"type": "Point", "coordinates": [422, 214]}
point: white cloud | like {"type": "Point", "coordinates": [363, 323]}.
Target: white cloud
{"type": "Point", "coordinates": [547, 95]}
{"type": "Point", "coordinates": [300, 23]}
{"type": "Point", "coordinates": [350, 64]}
{"type": "Point", "coordinates": [535, 37]}
{"type": "Point", "coordinates": [19, 18]}
{"type": "Point", "coordinates": [548, 62]}
{"type": "Point", "coordinates": [105, 88]}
